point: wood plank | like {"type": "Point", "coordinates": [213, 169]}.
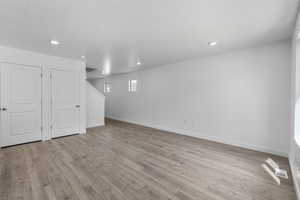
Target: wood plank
{"type": "Point", "coordinates": [124, 161]}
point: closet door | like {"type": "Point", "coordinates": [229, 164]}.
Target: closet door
{"type": "Point", "coordinates": [65, 105]}
{"type": "Point", "coordinates": [21, 104]}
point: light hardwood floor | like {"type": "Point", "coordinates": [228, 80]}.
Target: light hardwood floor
{"type": "Point", "coordinates": [125, 161]}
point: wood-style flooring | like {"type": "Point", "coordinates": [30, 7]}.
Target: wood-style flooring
{"type": "Point", "coordinates": [125, 161]}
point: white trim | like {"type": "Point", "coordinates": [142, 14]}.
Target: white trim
{"type": "Point", "coordinates": [43, 132]}
{"type": "Point", "coordinates": [95, 125]}
{"type": "Point", "coordinates": [294, 175]}
{"type": "Point", "coordinates": [205, 137]}
{"type": "Point", "coordinates": [46, 62]}
{"type": "Point", "coordinates": [297, 140]}
{"type": "Point", "coordinates": [45, 96]}
{"type": "Point", "coordinates": [81, 97]}
{"type": "Point", "coordinates": [83, 106]}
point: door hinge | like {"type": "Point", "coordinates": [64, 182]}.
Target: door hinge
{"type": "Point", "coordinates": [50, 75]}
{"type": "Point", "coordinates": [42, 75]}
{"type": "Point", "coordinates": [51, 127]}
{"type": "Point", "coordinates": [41, 128]}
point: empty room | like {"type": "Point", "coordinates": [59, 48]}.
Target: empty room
{"type": "Point", "coordinates": [150, 100]}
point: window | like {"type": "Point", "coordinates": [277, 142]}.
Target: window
{"type": "Point", "coordinates": [132, 85]}
{"type": "Point", "coordinates": [106, 88]}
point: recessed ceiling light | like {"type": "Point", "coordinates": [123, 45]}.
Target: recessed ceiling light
{"type": "Point", "coordinates": [54, 42]}
{"type": "Point", "coordinates": [212, 43]}
{"type": "Point", "coordinates": [138, 63]}
{"type": "Point", "coordinates": [83, 57]}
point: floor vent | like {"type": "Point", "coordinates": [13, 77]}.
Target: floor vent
{"type": "Point", "coordinates": [272, 168]}
{"type": "Point", "coordinates": [281, 173]}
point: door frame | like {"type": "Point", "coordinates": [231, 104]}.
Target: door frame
{"type": "Point", "coordinates": [49, 71]}
{"type": "Point", "coordinates": [46, 107]}
{"type": "Point", "coordinates": [42, 95]}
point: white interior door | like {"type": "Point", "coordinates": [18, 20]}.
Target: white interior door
{"type": "Point", "coordinates": [21, 104]}
{"type": "Point", "coordinates": [65, 100]}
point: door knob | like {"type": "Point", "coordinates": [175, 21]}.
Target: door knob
{"type": "Point", "coordinates": [4, 109]}
{"type": "Point", "coordinates": [77, 106]}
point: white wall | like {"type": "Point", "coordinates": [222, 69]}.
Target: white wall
{"type": "Point", "coordinates": [46, 62]}
{"type": "Point", "coordinates": [294, 154]}
{"type": "Point", "coordinates": [241, 98]}
{"type": "Point", "coordinates": [95, 106]}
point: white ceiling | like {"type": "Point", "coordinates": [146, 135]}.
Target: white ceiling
{"type": "Point", "coordinates": [116, 33]}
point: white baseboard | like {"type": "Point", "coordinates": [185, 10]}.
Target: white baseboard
{"type": "Point", "coordinates": [95, 125]}
{"type": "Point", "coordinates": [206, 137]}
{"type": "Point", "coordinates": [294, 176]}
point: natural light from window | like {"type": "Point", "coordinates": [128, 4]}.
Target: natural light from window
{"type": "Point", "coordinates": [132, 85]}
